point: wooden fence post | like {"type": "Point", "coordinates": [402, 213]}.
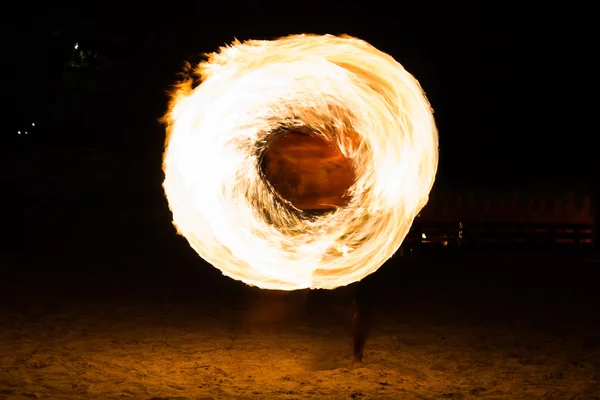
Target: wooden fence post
{"type": "Point", "coordinates": [596, 213]}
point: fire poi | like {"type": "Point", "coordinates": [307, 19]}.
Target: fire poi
{"type": "Point", "coordinates": [299, 162]}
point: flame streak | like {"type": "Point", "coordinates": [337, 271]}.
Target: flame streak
{"type": "Point", "coordinates": [349, 93]}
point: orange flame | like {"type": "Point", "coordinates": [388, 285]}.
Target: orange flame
{"type": "Point", "coordinates": [343, 90]}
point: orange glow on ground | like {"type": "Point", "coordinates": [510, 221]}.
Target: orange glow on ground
{"type": "Point", "coordinates": [218, 340]}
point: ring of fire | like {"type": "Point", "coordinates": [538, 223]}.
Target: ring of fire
{"type": "Point", "coordinates": [299, 162]}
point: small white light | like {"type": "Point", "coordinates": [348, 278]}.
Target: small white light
{"type": "Point", "coordinates": [345, 249]}
{"type": "Point", "coordinates": [33, 124]}
{"type": "Point", "coordinates": [76, 46]}
{"type": "Point", "coordinates": [424, 236]}
{"type": "Point", "coordinates": [26, 132]}
{"type": "Point", "coordinates": [19, 132]}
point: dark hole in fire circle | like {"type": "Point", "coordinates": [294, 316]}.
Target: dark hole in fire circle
{"type": "Point", "coordinates": [307, 171]}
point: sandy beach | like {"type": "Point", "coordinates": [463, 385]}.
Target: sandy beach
{"type": "Point", "coordinates": [142, 317]}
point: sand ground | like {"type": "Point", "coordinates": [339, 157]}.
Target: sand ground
{"type": "Point", "coordinates": [89, 342]}
{"type": "Point", "coordinates": [145, 319]}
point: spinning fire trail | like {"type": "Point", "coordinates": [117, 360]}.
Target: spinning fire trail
{"type": "Point", "coordinates": [299, 162]}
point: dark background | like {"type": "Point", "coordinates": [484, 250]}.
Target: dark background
{"type": "Point", "coordinates": [511, 87]}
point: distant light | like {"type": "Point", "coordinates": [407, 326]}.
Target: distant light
{"type": "Point", "coordinates": [19, 132]}
{"type": "Point", "coordinates": [424, 236]}
{"type": "Point", "coordinates": [33, 124]}
{"type": "Point", "coordinates": [26, 132]}
{"type": "Point", "coordinates": [76, 46]}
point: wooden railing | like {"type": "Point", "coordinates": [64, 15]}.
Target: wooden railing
{"type": "Point", "coordinates": [525, 205]}
{"type": "Point", "coordinates": [470, 235]}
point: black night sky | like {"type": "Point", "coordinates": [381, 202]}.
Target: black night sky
{"type": "Point", "coordinates": [509, 87]}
